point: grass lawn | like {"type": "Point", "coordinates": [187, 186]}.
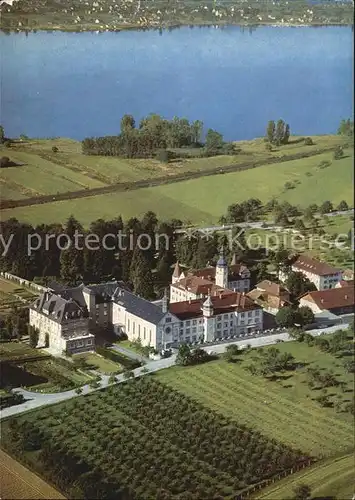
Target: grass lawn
{"type": "Point", "coordinates": [333, 479]}
{"type": "Point", "coordinates": [283, 410]}
{"type": "Point", "coordinates": [192, 201]}
{"type": "Point", "coordinates": [99, 363]}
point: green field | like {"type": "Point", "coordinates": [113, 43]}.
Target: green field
{"type": "Point", "coordinates": [283, 410]}
{"type": "Point", "coordinates": [204, 200]}
{"type": "Point", "coordinates": [97, 362]}
{"type": "Point", "coordinates": [333, 479]}
{"type": "Point", "coordinates": [14, 295]}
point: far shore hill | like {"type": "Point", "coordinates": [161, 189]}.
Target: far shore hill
{"type": "Point", "coordinates": [108, 15]}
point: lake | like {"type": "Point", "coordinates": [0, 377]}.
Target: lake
{"type": "Point", "coordinates": [234, 80]}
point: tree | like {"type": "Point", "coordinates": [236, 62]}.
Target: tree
{"type": "Point", "coordinates": [299, 225]}
{"type": "Point", "coordinates": [127, 124]}
{"type": "Point", "coordinates": [270, 131]}
{"type": "Point", "coordinates": [326, 207]}
{"type": "Point", "coordinates": [34, 336]}
{"type": "Point", "coordinates": [302, 492]}
{"type": "Point", "coordinates": [287, 134]}
{"type": "Point", "coordinates": [305, 316]}
{"type": "Point", "coordinates": [55, 149]}
{"type": "Point", "coordinates": [286, 316]}
{"type": "Point", "coordinates": [268, 146]}
{"type": "Point", "coordinates": [346, 127]}
{"type": "Point", "coordinates": [308, 141]}
{"type": "Point", "coordinates": [214, 141]}
{"type": "Point", "coordinates": [297, 284]}
{"type": "Point", "coordinates": [46, 342]}
{"type": "Point", "coordinates": [128, 375]}
{"type": "Point", "coordinates": [2, 134]}
{"type": "Point", "coordinates": [338, 153]}
{"type": "Point", "coordinates": [141, 274]}
{"type": "Point", "coordinates": [5, 162]}
{"type": "Point", "coordinates": [343, 206]}
{"type": "Point", "coordinates": [183, 355]}
{"type": "Point", "coordinates": [78, 390]}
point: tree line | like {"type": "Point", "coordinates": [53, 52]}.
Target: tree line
{"type": "Point", "coordinates": [155, 135]}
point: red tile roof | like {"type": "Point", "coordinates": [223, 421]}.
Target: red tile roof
{"type": "Point", "coordinates": [272, 288]}
{"type": "Point", "coordinates": [345, 283]}
{"type": "Point", "coordinates": [331, 299]}
{"type": "Point", "coordinates": [230, 302]}
{"type": "Point", "coordinates": [210, 272]}
{"type": "Point", "coordinates": [200, 286]}
{"type": "Point", "coordinates": [306, 263]}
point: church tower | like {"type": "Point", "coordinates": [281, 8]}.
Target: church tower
{"type": "Point", "coordinates": [222, 271]}
{"type": "Point", "coordinates": [208, 320]}
{"type": "Point", "coordinates": [176, 274]}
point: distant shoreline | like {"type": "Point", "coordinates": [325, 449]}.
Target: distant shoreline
{"type": "Point", "coordinates": [164, 27]}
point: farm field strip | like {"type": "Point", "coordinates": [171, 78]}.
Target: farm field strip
{"type": "Point", "coordinates": [188, 199]}
{"type": "Point", "coordinates": [248, 409]}
{"type": "Point", "coordinates": [334, 477]}
{"type": "Point", "coordinates": [308, 421]}
{"type": "Point", "coordinates": [115, 431]}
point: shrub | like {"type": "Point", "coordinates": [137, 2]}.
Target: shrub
{"type": "Point", "coordinates": [308, 141]}
{"type": "Point", "coordinates": [268, 147]}
{"type": "Point", "coordinates": [324, 164]}
{"type": "Point", "coordinates": [164, 156]}
{"type": "Point", "coordinates": [289, 185]}
{"type": "Point", "coordinates": [338, 153]}
{"type": "Point", "coordinates": [55, 149]}
{"type": "Point", "coordinates": [7, 144]}
{"type": "Point", "coordinates": [4, 162]}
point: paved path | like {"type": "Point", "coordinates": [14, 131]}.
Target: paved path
{"type": "Point", "coordinates": [129, 353]}
{"type": "Point", "coordinates": [36, 400]}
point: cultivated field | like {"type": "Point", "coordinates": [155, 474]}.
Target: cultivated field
{"type": "Point", "coordinates": [19, 483]}
{"type": "Point", "coordinates": [284, 409]}
{"type": "Point", "coordinates": [35, 369]}
{"type": "Point", "coordinates": [192, 200]}
{"type": "Point", "coordinates": [13, 295]}
{"type": "Point", "coordinates": [104, 443]}
{"type": "Point", "coordinates": [332, 479]}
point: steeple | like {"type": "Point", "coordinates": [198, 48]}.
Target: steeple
{"type": "Point", "coordinates": [165, 302]}
{"type": "Point", "coordinates": [207, 306]}
{"type": "Point", "coordinates": [234, 260]}
{"type": "Point", "coordinates": [222, 271]}
{"type": "Point", "coordinates": [176, 273]}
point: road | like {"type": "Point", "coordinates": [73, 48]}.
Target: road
{"type": "Point", "coordinates": [253, 225]}
{"type": "Point", "coordinates": [36, 400]}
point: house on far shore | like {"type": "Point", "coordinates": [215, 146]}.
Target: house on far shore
{"type": "Point", "coordinates": [270, 296]}
{"type": "Point", "coordinates": [321, 274]}
{"type": "Point", "coordinates": [337, 301]}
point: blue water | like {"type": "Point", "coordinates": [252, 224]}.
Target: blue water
{"type": "Point", "coordinates": [80, 84]}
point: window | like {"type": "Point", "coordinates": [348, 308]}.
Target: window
{"type": "Point", "coordinates": [168, 320]}
{"type": "Point", "coordinates": [194, 322]}
{"type": "Point", "coordinates": [187, 331]}
{"type": "Point", "coordinates": [242, 315]}
{"type": "Point", "coordinates": [89, 342]}
{"type": "Point", "coordinates": [79, 343]}
{"type": "Point", "coordinates": [231, 323]}
{"type": "Point", "coordinates": [194, 330]}
{"type": "Point", "coordinates": [188, 323]}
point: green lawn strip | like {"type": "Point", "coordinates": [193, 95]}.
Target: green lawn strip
{"type": "Point", "coordinates": [294, 429]}
{"type": "Point", "coordinates": [333, 477]}
{"type": "Point", "coordinates": [100, 363]}
{"type": "Point", "coordinates": [249, 393]}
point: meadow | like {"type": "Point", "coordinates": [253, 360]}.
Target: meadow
{"type": "Point", "coordinates": [284, 409]}
{"type": "Point", "coordinates": [204, 200]}
{"type": "Point", "coordinates": [331, 479]}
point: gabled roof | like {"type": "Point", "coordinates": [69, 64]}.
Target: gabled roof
{"type": "Point", "coordinates": [331, 299]}
{"type": "Point", "coordinates": [138, 306]}
{"type": "Point", "coordinates": [272, 288]}
{"type": "Point", "coordinates": [306, 263]}
{"type": "Point", "coordinates": [231, 302]}
{"type": "Point", "coordinates": [200, 286]}
{"type": "Point", "coordinates": [209, 273]}
{"type": "Point", "coordinates": [58, 308]}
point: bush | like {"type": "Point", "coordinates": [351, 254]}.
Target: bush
{"type": "Point", "coordinates": [268, 147]}
{"type": "Point", "coordinates": [324, 164]}
{"type": "Point", "coordinates": [338, 153]}
{"type": "Point", "coordinates": [289, 185]}
{"type": "Point", "coordinates": [308, 141]}
{"type": "Point", "coordinates": [4, 162]}
{"type": "Point", "coordinates": [164, 156]}
{"type": "Point", "coordinates": [55, 149]}
{"type": "Point", "coordinates": [7, 144]}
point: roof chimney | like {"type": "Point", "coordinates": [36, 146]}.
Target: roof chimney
{"type": "Point", "coordinates": [346, 297]}
{"type": "Point", "coordinates": [165, 302]}
{"type": "Point", "coordinates": [220, 295]}
{"type": "Point", "coordinates": [243, 303]}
